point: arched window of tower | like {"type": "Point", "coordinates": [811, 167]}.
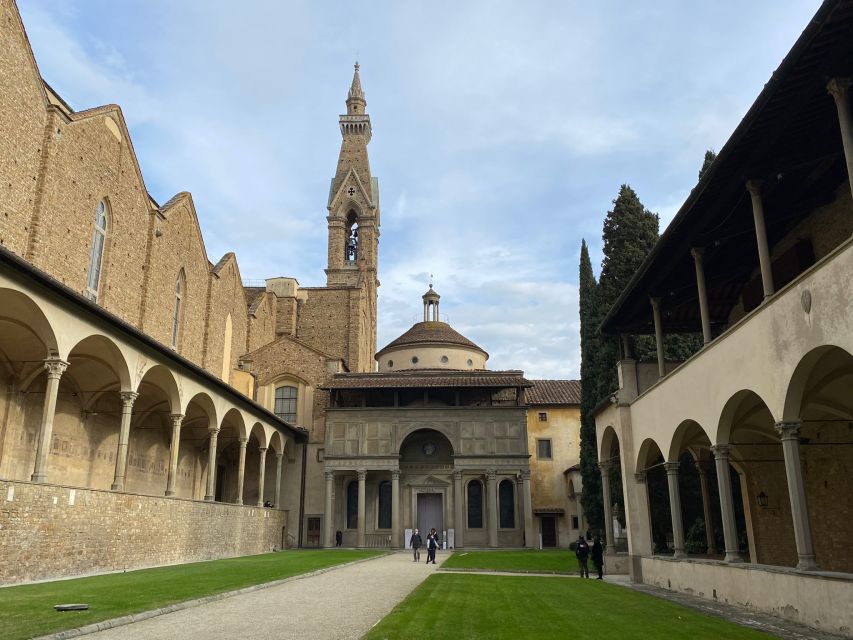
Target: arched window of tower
{"type": "Point", "coordinates": [351, 246]}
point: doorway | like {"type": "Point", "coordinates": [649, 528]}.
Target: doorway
{"type": "Point", "coordinates": [548, 526]}
{"type": "Point", "coordinates": [430, 512]}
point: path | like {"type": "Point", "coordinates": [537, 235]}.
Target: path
{"type": "Point", "coordinates": [338, 604]}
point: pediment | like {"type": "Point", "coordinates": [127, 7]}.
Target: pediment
{"type": "Point", "coordinates": [351, 180]}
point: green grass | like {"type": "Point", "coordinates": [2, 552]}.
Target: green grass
{"type": "Point", "coordinates": [528, 561]}
{"type": "Point", "coordinates": [26, 611]}
{"type": "Point", "coordinates": [456, 606]}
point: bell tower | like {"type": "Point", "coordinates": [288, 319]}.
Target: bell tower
{"type": "Point", "coordinates": [353, 200]}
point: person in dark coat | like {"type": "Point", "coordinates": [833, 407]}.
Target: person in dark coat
{"type": "Point", "coordinates": [339, 538]}
{"type": "Point", "coordinates": [432, 545]}
{"type": "Point", "coordinates": [416, 541]}
{"type": "Point", "coordinates": [598, 557]}
{"type": "Point", "coordinates": [582, 554]}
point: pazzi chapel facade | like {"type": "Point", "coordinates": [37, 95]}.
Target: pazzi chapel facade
{"type": "Point", "coordinates": [153, 409]}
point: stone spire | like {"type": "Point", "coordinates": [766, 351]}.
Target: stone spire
{"type": "Point", "coordinates": [355, 98]}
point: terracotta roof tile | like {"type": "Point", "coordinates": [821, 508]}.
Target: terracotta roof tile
{"type": "Point", "coordinates": [421, 378]}
{"type": "Point", "coordinates": [554, 392]}
{"type": "Point", "coordinates": [432, 333]}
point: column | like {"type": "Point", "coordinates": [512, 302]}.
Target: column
{"type": "Point", "coordinates": [278, 465]}
{"type": "Point", "coordinates": [329, 512]}
{"type": "Point", "coordinates": [658, 336]}
{"type": "Point", "coordinates": [529, 542]}
{"type": "Point", "coordinates": [262, 473]}
{"type": "Point", "coordinates": [790, 434]}
{"type": "Point", "coordinates": [675, 509]}
{"type": "Point", "coordinates": [644, 524]}
{"type": "Point", "coordinates": [698, 254]}
{"type": "Point", "coordinates": [362, 503]}
{"type": "Point", "coordinates": [607, 500]}
{"type": "Point", "coordinates": [724, 482]}
{"type": "Point", "coordinates": [492, 511]}
{"type": "Point", "coordinates": [174, 448]}
{"type": "Point", "coordinates": [211, 464]}
{"type": "Point", "coordinates": [241, 469]}
{"type": "Point", "coordinates": [838, 88]}
{"type": "Point", "coordinates": [754, 188]}
{"type": "Point", "coordinates": [127, 400]}
{"type": "Point", "coordinates": [459, 506]}
{"type": "Point", "coordinates": [55, 367]}
{"type": "Point", "coordinates": [396, 543]}
{"type": "Point", "coordinates": [702, 469]}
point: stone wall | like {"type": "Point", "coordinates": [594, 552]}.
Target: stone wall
{"type": "Point", "coordinates": [54, 531]}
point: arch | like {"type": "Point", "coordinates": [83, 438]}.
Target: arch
{"type": "Point", "coordinates": [801, 380]}
{"type": "Point", "coordinates": [234, 418]}
{"type": "Point", "coordinates": [688, 436]}
{"type": "Point", "coordinates": [474, 504]}
{"type": "Point", "coordinates": [22, 313]}
{"type": "Point", "coordinates": [506, 503]}
{"type": "Point", "coordinates": [742, 407]}
{"type": "Point", "coordinates": [438, 427]}
{"type": "Point", "coordinates": [278, 442]}
{"type": "Point", "coordinates": [649, 455]}
{"type": "Point", "coordinates": [609, 442]}
{"type": "Point", "coordinates": [426, 446]}
{"type": "Point", "coordinates": [260, 433]}
{"type": "Point", "coordinates": [206, 405]}
{"type": "Point", "coordinates": [163, 378]}
{"type": "Point", "coordinates": [101, 350]}
{"type": "Point", "coordinates": [351, 242]}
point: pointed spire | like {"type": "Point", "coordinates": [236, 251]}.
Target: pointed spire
{"type": "Point", "coordinates": [355, 98]}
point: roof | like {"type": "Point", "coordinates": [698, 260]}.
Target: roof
{"type": "Point", "coordinates": [554, 392]}
{"type": "Point", "coordinates": [789, 139]}
{"type": "Point", "coordinates": [425, 378]}
{"type": "Point", "coordinates": [426, 333]}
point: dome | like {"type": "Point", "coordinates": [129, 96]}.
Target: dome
{"type": "Point", "coordinates": [435, 333]}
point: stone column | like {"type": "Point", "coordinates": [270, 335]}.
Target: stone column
{"type": "Point", "coordinates": [210, 496]}
{"type": "Point", "coordinates": [262, 473]}
{"type": "Point", "coordinates": [698, 254]}
{"type": "Point", "coordinates": [241, 469]}
{"type": "Point", "coordinates": [278, 465]}
{"type": "Point", "coordinates": [174, 450]}
{"type": "Point", "coordinates": [724, 482]}
{"type": "Point", "coordinates": [127, 400]}
{"type": "Point", "coordinates": [459, 506]}
{"type": "Point", "coordinates": [607, 500]}
{"type": "Point", "coordinates": [644, 524]}
{"type": "Point", "coordinates": [492, 511]}
{"type": "Point", "coordinates": [55, 367]}
{"type": "Point", "coordinates": [754, 188]}
{"type": "Point", "coordinates": [658, 336]}
{"type": "Point", "coordinates": [329, 512]}
{"type": "Point", "coordinates": [527, 496]}
{"type": "Point", "coordinates": [838, 88]}
{"type": "Point", "coordinates": [395, 509]}
{"type": "Point", "coordinates": [362, 504]}
{"type": "Point", "coordinates": [702, 469]}
{"type": "Point", "coordinates": [675, 509]}
{"type": "Point", "coordinates": [790, 433]}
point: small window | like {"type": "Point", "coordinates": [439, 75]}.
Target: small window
{"type": "Point", "coordinates": [543, 449]}
{"type": "Point", "coordinates": [414, 359]}
{"type": "Point", "coordinates": [285, 403]}
{"type": "Point", "coordinates": [575, 523]}
{"type": "Point", "coordinates": [390, 364]}
{"type": "Point", "coordinates": [96, 253]}
{"type": "Point", "coordinates": [543, 416]}
{"type": "Point", "coordinates": [444, 359]}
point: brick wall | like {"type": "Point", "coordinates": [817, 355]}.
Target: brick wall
{"type": "Point", "coordinates": [53, 531]}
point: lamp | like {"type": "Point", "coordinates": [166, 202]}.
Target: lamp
{"type": "Point", "coordinates": [762, 499]}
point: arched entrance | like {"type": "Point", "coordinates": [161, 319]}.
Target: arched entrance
{"type": "Point", "coordinates": [426, 462]}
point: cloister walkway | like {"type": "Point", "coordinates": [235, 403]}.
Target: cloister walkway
{"type": "Point", "coordinates": [343, 603]}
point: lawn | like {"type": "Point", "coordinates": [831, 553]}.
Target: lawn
{"type": "Point", "coordinates": [456, 606]}
{"type": "Point", "coordinates": [26, 611]}
{"type": "Point", "coordinates": [527, 561]}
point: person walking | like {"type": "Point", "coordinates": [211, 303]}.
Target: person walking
{"type": "Point", "coordinates": [415, 542]}
{"type": "Point", "coordinates": [339, 538]}
{"type": "Point", "coordinates": [598, 557]}
{"type": "Point", "coordinates": [582, 554]}
{"type": "Point", "coordinates": [432, 545]}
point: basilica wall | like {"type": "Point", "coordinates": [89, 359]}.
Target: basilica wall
{"type": "Point", "coordinates": [261, 329]}
{"type": "Point", "coordinates": [227, 319]}
{"type": "Point", "coordinates": [323, 321]}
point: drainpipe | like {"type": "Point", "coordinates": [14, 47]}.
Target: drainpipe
{"type": "Point", "coordinates": [302, 495]}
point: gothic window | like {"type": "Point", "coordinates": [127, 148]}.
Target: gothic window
{"type": "Point", "coordinates": [475, 505]}
{"type": "Point", "coordinates": [285, 403]}
{"type": "Point", "coordinates": [352, 505]}
{"type": "Point", "coordinates": [351, 246]}
{"type": "Point", "coordinates": [384, 505]}
{"type": "Point", "coordinates": [96, 253]}
{"type": "Point", "coordinates": [506, 498]}
{"type": "Point", "coordinates": [180, 284]}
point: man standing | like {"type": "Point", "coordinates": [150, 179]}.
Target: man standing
{"type": "Point", "coordinates": [598, 557]}
{"type": "Point", "coordinates": [432, 545]}
{"type": "Point", "coordinates": [415, 541]}
{"type": "Point", "coordinates": [582, 553]}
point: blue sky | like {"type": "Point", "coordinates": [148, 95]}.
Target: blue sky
{"type": "Point", "coordinates": [502, 131]}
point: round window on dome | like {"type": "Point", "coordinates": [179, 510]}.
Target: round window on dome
{"type": "Point", "coordinates": [444, 359]}
{"type": "Point", "coordinates": [390, 363]}
{"type": "Point", "coordinates": [470, 362]}
{"type": "Point", "coordinates": [414, 359]}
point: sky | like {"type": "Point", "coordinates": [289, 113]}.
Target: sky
{"type": "Point", "coordinates": [501, 132]}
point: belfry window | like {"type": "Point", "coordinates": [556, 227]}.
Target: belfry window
{"type": "Point", "coordinates": [506, 498]}
{"type": "Point", "coordinates": [179, 300]}
{"type": "Point", "coordinates": [96, 253]}
{"type": "Point", "coordinates": [475, 505]}
{"type": "Point", "coordinates": [351, 244]}
{"type": "Point", "coordinates": [285, 403]}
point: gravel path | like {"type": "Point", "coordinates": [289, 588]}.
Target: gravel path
{"type": "Point", "coordinates": [344, 603]}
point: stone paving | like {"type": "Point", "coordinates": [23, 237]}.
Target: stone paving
{"type": "Point", "coordinates": [340, 604]}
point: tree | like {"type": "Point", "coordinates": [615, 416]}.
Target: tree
{"type": "Point", "coordinates": [710, 156]}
